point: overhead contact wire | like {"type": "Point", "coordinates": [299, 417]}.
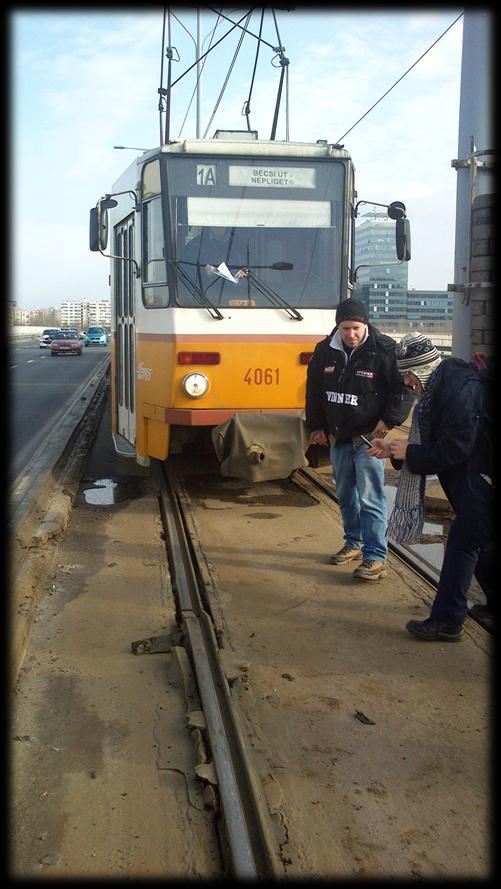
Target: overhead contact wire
{"type": "Point", "coordinates": [230, 69]}
{"type": "Point", "coordinates": [201, 70]}
{"type": "Point", "coordinates": [400, 78]}
{"type": "Point", "coordinates": [209, 50]}
{"type": "Point", "coordinates": [247, 105]}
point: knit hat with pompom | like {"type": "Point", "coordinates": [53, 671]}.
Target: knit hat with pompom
{"type": "Point", "coordinates": [416, 354]}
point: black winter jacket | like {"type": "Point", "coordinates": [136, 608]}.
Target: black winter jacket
{"type": "Point", "coordinates": [455, 451]}
{"type": "Point", "coordinates": [346, 397]}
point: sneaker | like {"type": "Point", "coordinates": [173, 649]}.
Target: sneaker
{"type": "Point", "coordinates": [346, 554]}
{"type": "Point", "coordinates": [434, 630]}
{"type": "Point", "coordinates": [370, 570]}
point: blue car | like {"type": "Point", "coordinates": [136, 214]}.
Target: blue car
{"type": "Point", "coordinates": [96, 336]}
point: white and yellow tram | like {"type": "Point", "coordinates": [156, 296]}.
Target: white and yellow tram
{"type": "Point", "coordinates": [201, 333]}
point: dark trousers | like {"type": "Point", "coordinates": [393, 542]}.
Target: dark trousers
{"type": "Point", "coordinates": [461, 562]}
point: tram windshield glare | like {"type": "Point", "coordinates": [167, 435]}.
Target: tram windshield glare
{"type": "Point", "coordinates": [282, 222]}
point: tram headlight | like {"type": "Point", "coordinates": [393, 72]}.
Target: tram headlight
{"type": "Point", "coordinates": [195, 385]}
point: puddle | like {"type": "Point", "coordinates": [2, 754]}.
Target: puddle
{"type": "Point", "coordinates": [108, 491]}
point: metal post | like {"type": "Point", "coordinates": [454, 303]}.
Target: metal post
{"type": "Point", "coordinates": [199, 85]}
{"type": "Point", "coordinates": [287, 104]}
{"type": "Point", "coordinates": [475, 133]}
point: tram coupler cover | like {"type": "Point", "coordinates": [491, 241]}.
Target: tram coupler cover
{"type": "Point", "coordinates": [261, 446]}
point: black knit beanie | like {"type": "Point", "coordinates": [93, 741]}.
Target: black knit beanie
{"type": "Point", "coordinates": [351, 310]}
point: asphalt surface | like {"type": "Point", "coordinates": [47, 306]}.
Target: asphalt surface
{"type": "Point", "coordinates": [40, 390]}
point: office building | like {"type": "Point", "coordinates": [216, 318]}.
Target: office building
{"type": "Point", "coordinates": [431, 309]}
{"type": "Point", "coordinates": [382, 282]}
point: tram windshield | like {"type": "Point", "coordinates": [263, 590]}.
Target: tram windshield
{"type": "Point", "coordinates": [245, 231]}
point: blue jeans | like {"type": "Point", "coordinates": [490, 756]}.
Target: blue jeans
{"type": "Point", "coordinates": [362, 500]}
{"type": "Point", "coordinates": [461, 562]}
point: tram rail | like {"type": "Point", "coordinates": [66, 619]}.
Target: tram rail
{"type": "Point", "coordinates": [249, 846]}
{"type": "Point", "coordinates": [407, 554]}
{"type": "Point", "coordinates": [253, 851]}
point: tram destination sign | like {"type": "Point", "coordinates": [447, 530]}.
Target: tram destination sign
{"type": "Point", "coordinates": [268, 176]}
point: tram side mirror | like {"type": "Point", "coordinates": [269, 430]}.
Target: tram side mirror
{"type": "Point", "coordinates": [403, 239]}
{"type": "Point", "coordinates": [396, 211]}
{"type": "Point", "coordinates": [98, 224]}
{"type": "Point", "coordinates": [93, 230]}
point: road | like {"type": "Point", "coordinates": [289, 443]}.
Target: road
{"type": "Point", "coordinates": [40, 390]}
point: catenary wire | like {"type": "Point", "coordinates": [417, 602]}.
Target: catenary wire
{"type": "Point", "coordinates": [238, 25]}
{"type": "Point", "coordinates": [201, 70]}
{"type": "Point", "coordinates": [399, 79]}
{"type": "Point", "coordinates": [247, 108]}
{"type": "Point", "coordinates": [209, 50]}
{"type": "Point", "coordinates": [230, 69]}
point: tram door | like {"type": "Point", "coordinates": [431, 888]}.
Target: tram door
{"type": "Point", "coordinates": [125, 330]}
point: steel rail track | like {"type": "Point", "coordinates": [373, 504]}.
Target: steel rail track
{"type": "Point", "coordinates": [413, 560]}
{"type": "Point", "coordinates": [254, 852]}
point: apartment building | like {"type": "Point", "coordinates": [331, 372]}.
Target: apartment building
{"type": "Point", "coordinates": [81, 313]}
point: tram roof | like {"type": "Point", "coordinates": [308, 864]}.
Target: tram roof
{"type": "Point", "coordinates": [234, 148]}
{"type": "Point", "coordinates": [256, 148]}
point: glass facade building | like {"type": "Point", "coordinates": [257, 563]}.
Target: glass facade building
{"type": "Point", "coordinates": [383, 287]}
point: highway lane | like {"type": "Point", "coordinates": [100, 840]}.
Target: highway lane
{"type": "Point", "coordinates": [40, 390]}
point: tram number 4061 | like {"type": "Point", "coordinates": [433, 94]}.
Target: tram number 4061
{"type": "Point", "coordinates": [262, 376]}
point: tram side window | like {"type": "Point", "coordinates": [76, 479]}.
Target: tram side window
{"type": "Point", "coordinates": [155, 287]}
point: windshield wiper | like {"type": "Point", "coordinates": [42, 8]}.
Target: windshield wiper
{"type": "Point", "coordinates": [196, 290]}
{"type": "Point", "coordinates": [272, 295]}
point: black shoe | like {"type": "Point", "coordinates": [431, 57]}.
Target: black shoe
{"type": "Point", "coordinates": [434, 630]}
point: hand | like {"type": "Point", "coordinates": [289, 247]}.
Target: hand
{"type": "Point", "coordinates": [398, 448]}
{"type": "Point", "coordinates": [319, 437]}
{"type": "Point", "coordinates": [242, 273]}
{"type": "Point", "coordinates": [380, 448]}
{"type": "Point", "coordinates": [379, 431]}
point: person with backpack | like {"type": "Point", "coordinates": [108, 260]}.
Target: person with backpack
{"type": "Point", "coordinates": [451, 437]}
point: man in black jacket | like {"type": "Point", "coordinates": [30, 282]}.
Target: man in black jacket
{"type": "Point", "coordinates": [446, 439]}
{"type": "Point", "coordinates": [353, 388]}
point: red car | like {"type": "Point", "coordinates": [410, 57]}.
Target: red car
{"type": "Point", "coordinates": [65, 342]}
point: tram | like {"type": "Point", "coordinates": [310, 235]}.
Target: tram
{"type": "Point", "coordinates": [202, 330]}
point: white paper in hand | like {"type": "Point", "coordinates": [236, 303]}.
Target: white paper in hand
{"type": "Point", "coordinates": [224, 272]}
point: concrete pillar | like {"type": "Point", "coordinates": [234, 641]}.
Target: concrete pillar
{"type": "Point", "coordinates": [473, 270]}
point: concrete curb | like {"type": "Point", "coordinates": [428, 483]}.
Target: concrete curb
{"type": "Point", "coordinates": [55, 520]}
{"type": "Point", "coordinates": [36, 537]}
{"type": "Point", "coordinates": [31, 487]}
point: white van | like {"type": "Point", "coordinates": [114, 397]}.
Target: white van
{"type": "Point", "coordinates": [46, 337]}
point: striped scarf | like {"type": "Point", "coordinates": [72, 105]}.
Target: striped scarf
{"type": "Point", "coordinates": [407, 516]}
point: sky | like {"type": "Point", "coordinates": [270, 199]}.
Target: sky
{"type": "Point", "coordinates": [84, 80]}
